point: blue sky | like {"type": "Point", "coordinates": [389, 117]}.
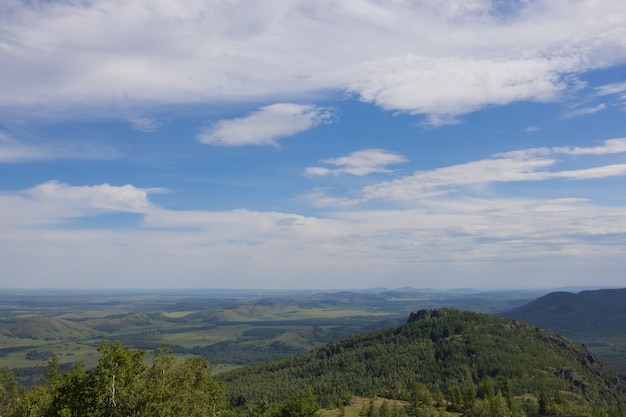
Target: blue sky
{"type": "Point", "coordinates": [301, 144]}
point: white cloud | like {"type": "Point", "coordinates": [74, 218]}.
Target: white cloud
{"type": "Point", "coordinates": [362, 162]}
{"type": "Point", "coordinates": [442, 59]}
{"type": "Point", "coordinates": [445, 86]}
{"type": "Point", "coordinates": [266, 125]}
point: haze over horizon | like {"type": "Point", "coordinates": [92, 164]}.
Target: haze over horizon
{"type": "Point", "coordinates": [312, 145]}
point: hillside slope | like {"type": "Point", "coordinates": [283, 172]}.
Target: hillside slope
{"type": "Point", "coordinates": [439, 348]}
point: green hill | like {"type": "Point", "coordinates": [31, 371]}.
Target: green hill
{"type": "Point", "coordinates": [439, 349]}
{"type": "Point", "coordinates": [596, 318]}
{"type": "Point", "coordinates": [38, 327]}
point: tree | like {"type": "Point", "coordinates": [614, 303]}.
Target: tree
{"type": "Point", "coordinates": [259, 408]}
{"type": "Point", "coordinates": [74, 394]}
{"type": "Point", "coordinates": [33, 403]}
{"type": "Point", "coordinates": [9, 392]}
{"type": "Point", "coordinates": [160, 384]}
{"type": "Point", "coordinates": [118, 380]}
{"type": "Point", "coordinates": [302, 404]}
{"type": "Point", "coordinates": [204, 395]}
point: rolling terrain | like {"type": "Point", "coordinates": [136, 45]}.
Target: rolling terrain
{"type": "Point", "coordinates": [231, 328]}
{"type": "Point", "coordinates": [238, 328]}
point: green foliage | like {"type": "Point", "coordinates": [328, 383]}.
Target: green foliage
{"type": "Point", "coordinates": [120, 385]}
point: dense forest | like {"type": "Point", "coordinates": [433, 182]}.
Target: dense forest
{"type": "Point", "coordinates": [441, 362]}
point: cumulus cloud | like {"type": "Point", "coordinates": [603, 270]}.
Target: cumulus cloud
{"type": "Point", "coordinates": [362, 162]}
{"type": "Point", "coordinates": [94, 198]}
{"type": "Point", "coordinates": [441, 59]}
{"type": "Point", "coordinates": [442, 87]}
{"type": "Point", "coordinates": [266, 125]}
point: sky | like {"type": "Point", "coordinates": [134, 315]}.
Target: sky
{"type": "Point", "coordinates": [312, 144]}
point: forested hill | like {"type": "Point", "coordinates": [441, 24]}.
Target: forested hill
{"type": "Point", "coordinates": [583, 316]}
{"type": "Point", "coordinates": [442, 350]}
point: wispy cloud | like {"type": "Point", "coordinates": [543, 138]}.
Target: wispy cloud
{"type": "Point", "coordinates": [266, 125]}
{"type": "Point", "coordinates": [614, 88]}
{"type": "Point", "coordinates": [360, 163]}
{"type": "Point", "coordinates": [147, 124]}
{"type": "Point", "coordinates": [15, 151]}
{"type": "Point", "coordinates": [12, 151]}
{"type": "Point", "coordinates": [584, 111]}
{"type": "Point", "coordinates": [610, 146]}
{"type": "Point", "coordinates": [533, 164]}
